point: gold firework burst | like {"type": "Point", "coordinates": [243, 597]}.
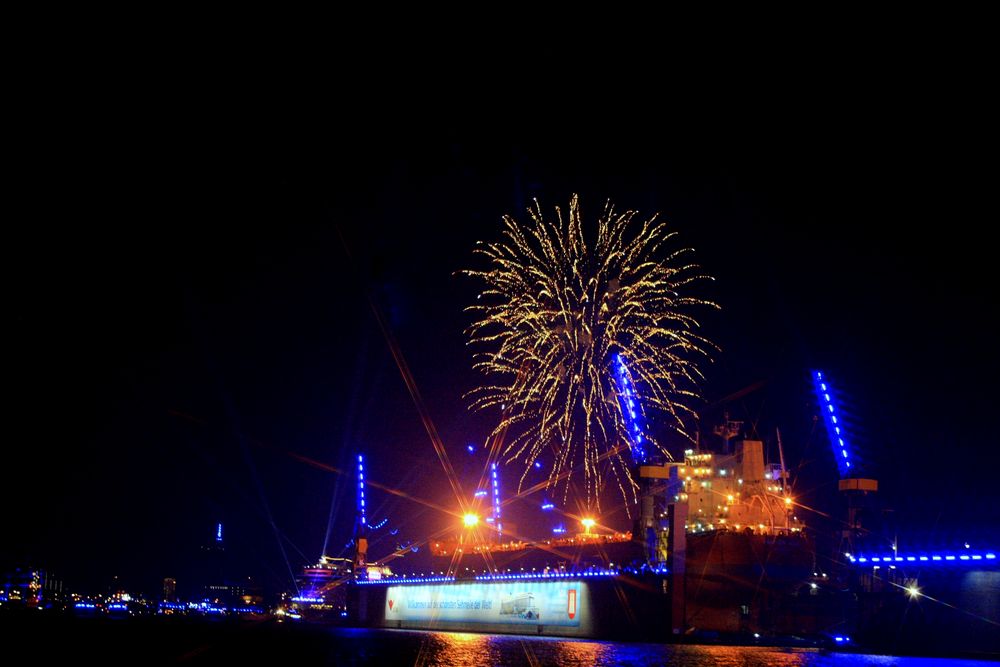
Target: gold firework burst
{"type": "Point", "coordinates": [560, 319]}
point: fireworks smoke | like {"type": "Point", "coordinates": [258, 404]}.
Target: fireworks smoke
{"type": "Point", "coordinates": [559, 316]}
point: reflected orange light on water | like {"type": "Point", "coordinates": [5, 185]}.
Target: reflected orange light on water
{"type": "Point", "coordinates": [744, 656]}
{"type": "Point", "coordinates": [462, 649]}
{"type": "Point", "coordinates": [582, 653]}
{"type": "Point", "coordinates": [458, 649]}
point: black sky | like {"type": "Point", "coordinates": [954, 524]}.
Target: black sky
{"type": "Point", "coordinates": [182, 313]}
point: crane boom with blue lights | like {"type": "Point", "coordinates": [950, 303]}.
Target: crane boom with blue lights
{"type": "Point", "coordinates": [833, 419]}
{"type": "Point", "coordinates": [857, 489]}
{"type": "Point", "coordinates": [631, 412]}
{"type": "Point", "coordinates": [494, 473]}
{"type": "Point", "coordinates": [362, 513]}
{"type": "Point", "coordinates": [361, 527]}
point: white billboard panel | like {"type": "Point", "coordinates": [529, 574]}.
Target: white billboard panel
{"type": "Point", "coordinates": [561, 603]}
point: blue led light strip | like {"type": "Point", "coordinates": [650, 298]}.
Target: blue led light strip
{"type": "Point", "coordinates": [833, 419]}
{"type": "Point", "coordinates": [967, 558]}
{"type": "Point", "coordinates": [362, 518]}
{"type": "Point", "coordinates": [630, 411]}
{"type": "Point", "coordinates": [565, 575]}
{"type": "Point", "coordinates": [407, 580]}
{"type": "Point", "coordinates": [521, 576]}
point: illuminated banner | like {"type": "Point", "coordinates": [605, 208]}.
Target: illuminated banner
{"type": "Point", "coordinates": [513, 603]}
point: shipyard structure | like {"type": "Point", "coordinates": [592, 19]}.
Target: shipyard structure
{"type": "Point", "coordinates": [718, 551]}
{"type": "Point", "coordinates": [716, 546]}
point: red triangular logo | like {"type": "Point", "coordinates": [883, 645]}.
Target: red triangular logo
{"type": "Point", "coordinates": [390, 605]}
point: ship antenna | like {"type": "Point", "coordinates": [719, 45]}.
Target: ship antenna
{"type": "Point", "coordinates": [781, 458]}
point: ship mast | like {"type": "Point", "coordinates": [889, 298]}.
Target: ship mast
{"type": "Point", "coordinates": [781, 458]}
{"type": "Point", "coordinates": [727, 430]}
{"type": "Point", "coordinates": [784, 477]}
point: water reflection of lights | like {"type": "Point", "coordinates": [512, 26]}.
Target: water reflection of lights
{"type": "Point", "coordinates": [465, 649]}
{"type": "Point", "coordinates": [582, 653]}
{"type": "Point", "coordinates": [459, 649]}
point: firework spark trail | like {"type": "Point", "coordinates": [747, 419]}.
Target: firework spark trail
{"type": "Point", "coordinates": [555, 312]}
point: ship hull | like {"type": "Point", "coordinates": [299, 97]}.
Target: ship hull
{"type": "Point", "coordinates": [735, 584]}
{"type": "Point", "coordinates": [740, 583]}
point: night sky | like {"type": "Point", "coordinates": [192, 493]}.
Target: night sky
{"type": "Point", "coordinates": [188, 305]}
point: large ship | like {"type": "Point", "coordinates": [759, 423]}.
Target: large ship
{"type": "Point", "coordinates": [320, 592]}
{"type": "Point", "coordinates": [743, 552]}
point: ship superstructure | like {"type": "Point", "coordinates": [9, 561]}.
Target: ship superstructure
{"type": "Point", "coordinates": [736, 491]}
